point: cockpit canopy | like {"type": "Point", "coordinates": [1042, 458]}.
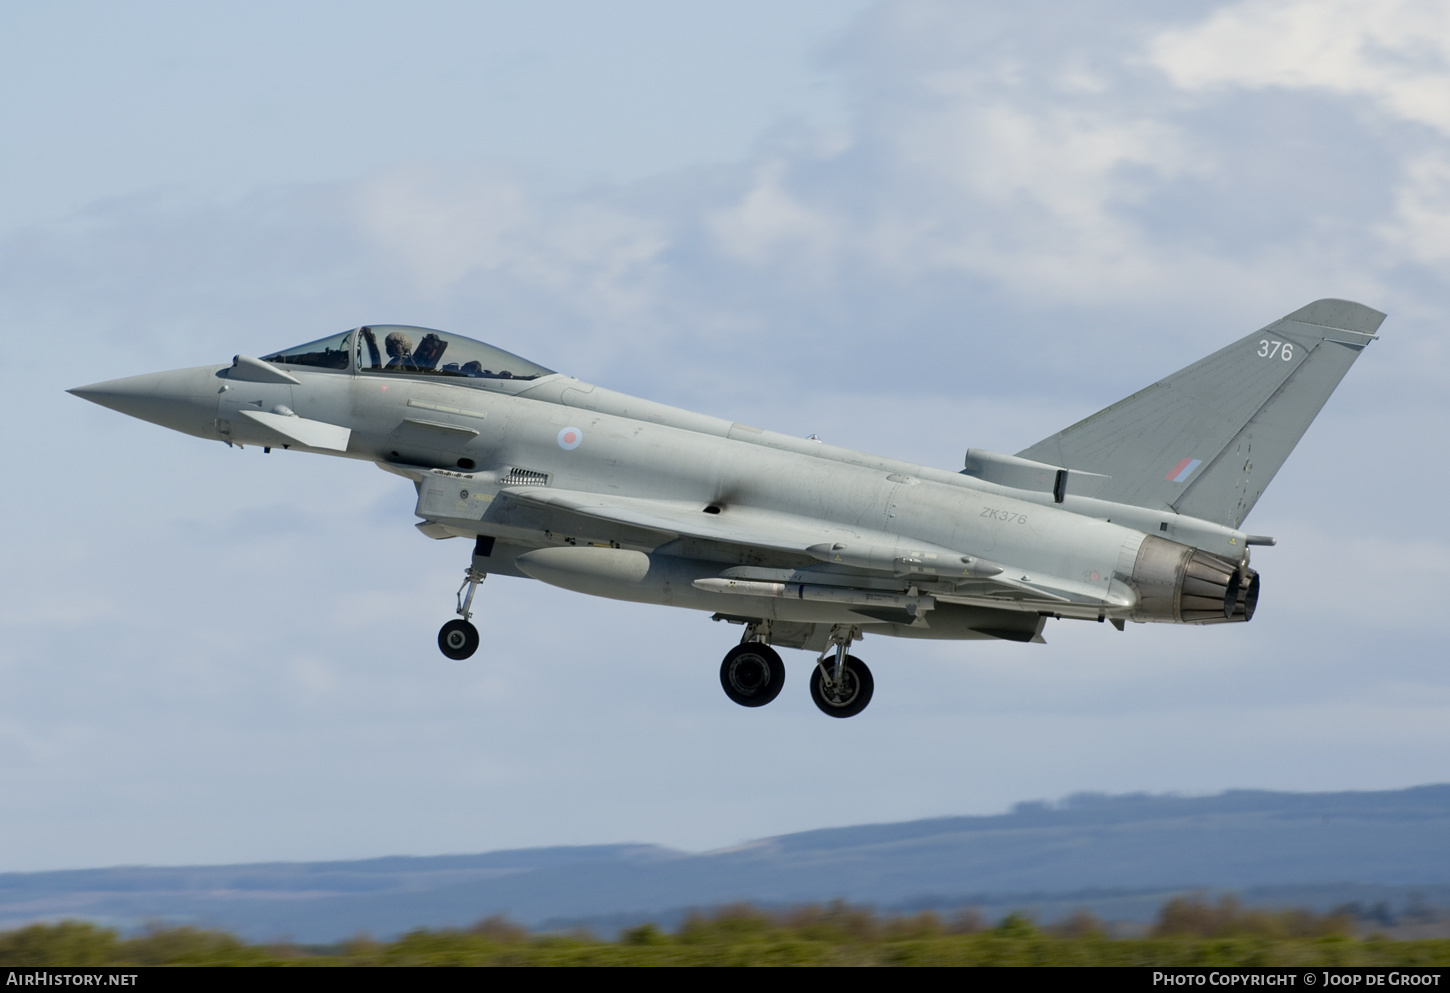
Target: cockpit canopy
{"type": "Point", "coordinates": [324, 353]}
{"type": "Point", "coordinates": [402, 349]}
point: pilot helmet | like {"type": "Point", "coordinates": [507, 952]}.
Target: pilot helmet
{"type": "Point", "coordinates": [399, 345]}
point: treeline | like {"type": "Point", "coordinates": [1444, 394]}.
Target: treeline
{"type": "Point", "coordinates": [1188, 932]}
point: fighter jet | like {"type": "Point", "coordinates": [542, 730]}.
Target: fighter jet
{"type": "Point", "coordinates": [1133, 514]}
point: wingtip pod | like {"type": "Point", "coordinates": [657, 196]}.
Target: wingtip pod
{"type": "Point", "coordinates": [1341, 315]}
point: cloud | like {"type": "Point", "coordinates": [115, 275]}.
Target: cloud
{"type": "Point", "coordinates": [988, 176]}
{"type": "Point", "coordinates": [1387, 580]}
{"type": "Point", "coordinates": [1420, 226]}
{"type": "Point", "coordinates": [768, 221]}
{"type": "Point", "coordinates": [444, 226]}
{"type": "Point", "coordinates": [1034, 193]}
{"type": "Point", "coordinates": [1396, 54]}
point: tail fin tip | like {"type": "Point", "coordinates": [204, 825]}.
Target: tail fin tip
{"type": "Point", "coordinates": [1341, 315]}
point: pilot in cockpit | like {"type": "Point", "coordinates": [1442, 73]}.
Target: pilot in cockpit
{"type": "Point", "coordinates": [400, 350]}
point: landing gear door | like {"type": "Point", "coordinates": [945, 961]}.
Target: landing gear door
{"type": "Point", "coordinates": [451, 497]}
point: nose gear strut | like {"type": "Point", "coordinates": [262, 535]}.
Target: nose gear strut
{"type": "Point", "coordinates": [458, 639]}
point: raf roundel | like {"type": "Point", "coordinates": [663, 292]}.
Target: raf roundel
{"type": "Point", "coordinates": [569, 438]}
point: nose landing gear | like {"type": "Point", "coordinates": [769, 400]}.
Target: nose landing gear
{"type": "Point", "coordinates": [458, 639]}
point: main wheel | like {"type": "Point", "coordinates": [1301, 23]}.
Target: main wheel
{"type": "Point", "coordinates": [458, 639]}
{"type": "Point", "coordinates": [752, 674]}
{"type": "Point", "coordinates": [847, 699]}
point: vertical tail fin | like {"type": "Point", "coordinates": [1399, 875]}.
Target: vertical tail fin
{"type": "Point", "coordinates": [1207, 440]}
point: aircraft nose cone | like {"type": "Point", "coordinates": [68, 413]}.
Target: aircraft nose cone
{"type": "Point", "coordinates": [183, 399]}
{"type": "Point", "coordinates": [105, 394]}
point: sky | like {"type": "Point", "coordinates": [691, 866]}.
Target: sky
{"type": "Point", "coordinates": [908, 227]}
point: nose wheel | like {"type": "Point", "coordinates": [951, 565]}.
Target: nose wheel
{"type": "Point", "coordinates": [458, 639]}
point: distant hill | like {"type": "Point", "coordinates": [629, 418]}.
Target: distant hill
{"type": "Point", "coordinates": [1119, 855]}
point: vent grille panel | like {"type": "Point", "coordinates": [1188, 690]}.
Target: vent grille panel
{"type": "Point", "coordinates": [525, 477]}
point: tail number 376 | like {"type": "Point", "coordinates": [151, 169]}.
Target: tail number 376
{"type": "Point", "coordinates": [1283, 349]}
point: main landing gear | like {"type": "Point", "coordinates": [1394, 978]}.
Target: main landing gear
{"type": "Point", "coordinates": [458, 639]}
{"type": "Point", "coordinates": [752, 675]}
{"type": "Point", "coordinates": [841, 688]}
